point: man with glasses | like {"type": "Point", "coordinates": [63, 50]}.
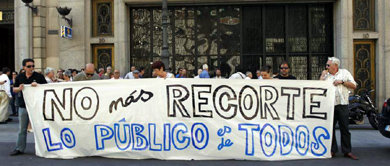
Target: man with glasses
{"type": "Point", "coordinates": [87, 74]}
{"type": "Point", "coordinates": [343, 81]}
{"type": "Point", "coordinates": [117, 75]}
{"type": "Point", "coordinates": [284, 72]}
{"type": "Point", "coordinates": [27, 77]}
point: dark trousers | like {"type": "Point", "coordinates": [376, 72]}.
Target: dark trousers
{"type": "Point", "coordinates": [341, 115]}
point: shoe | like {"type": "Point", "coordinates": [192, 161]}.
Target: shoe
{"type": "Point", "coordinates": [333, 154]}
{"type": "Point", "coordinates": [15, 152]}
{"type": "Point", "coordinates": [9, 120]}
{"type": "Point", "coordinates": [14, 115]}
{"type": "Point", "coordinates": [350, 155]}
{"type": "Point", "coordinates": [5, 122]}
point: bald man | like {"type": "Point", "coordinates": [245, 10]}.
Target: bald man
{"type": "Point", "coordinates": [87, 74]}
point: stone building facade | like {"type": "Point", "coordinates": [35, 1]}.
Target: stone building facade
{"type": "Point", "coordinates": [224, 34]}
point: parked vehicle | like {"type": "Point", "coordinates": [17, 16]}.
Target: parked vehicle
{"type": "Point", "coordinates": [384, 119]}
{"type": "Point", "coordinates": [360, 106]}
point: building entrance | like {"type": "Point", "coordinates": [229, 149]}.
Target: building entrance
{"type": "Point", "coordinates": [235, 37]}
{"type": "Point", "coordinates": [7, 46]}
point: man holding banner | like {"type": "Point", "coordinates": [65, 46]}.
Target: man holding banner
{"type": "Point", "coordinates": [343, 81]}
{"type": "Point", "coordinates": [28, 77]}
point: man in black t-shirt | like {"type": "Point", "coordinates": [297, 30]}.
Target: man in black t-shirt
{"type": "Point", "coordinates": [28, 77]}
{"type": "Point", "coordinates": [284, 72]}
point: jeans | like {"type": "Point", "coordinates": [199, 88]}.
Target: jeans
{"type": "Point", "coordinates": [23, 123]}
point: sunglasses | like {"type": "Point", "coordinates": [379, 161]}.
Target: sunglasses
{"type": "Point", "coordinates": [89, 74]}
{"type": "Point", "coordinates": [284, 68]}
{"type": "Point", "coordinates": [30, 66]}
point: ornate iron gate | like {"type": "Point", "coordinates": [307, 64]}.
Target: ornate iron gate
{"type": "Point", "coordinates": [228, 37]}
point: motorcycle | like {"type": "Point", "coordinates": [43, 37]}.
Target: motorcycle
{"type": "Point", "coordinates": [360, 106]}
{"type": "Point", "coordinates": [384, 119]}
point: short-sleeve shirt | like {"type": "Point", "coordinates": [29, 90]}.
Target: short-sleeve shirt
{"type": "Point", "coordinates": [341, 90]}
{"type": "Point", "coordinates": [22, 79]}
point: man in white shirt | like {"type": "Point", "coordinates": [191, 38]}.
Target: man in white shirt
{"type": "Point", "coordinates": [117, 75]}
{"type": "Point", "coordinates": [5, 96]}
{"type": "Point", "coordinates": [218, 74]}
{"type": "Point", "coordinates": [158, 68]}
{"type": "Point", "coordinates": [343, 81]}
{"type": "Point", "coordinates": [248, 75]}
{"type": "Point", "coordinates": [130, 75]}
{"type": "Point", "coordinates": [258, 74]}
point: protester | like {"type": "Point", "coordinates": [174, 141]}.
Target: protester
{"type": "Point", "coordinates": [344, 82]}
{"type": "Point", "coordinates": [141, 72]}
{"type": "Point", "coordinates": [136, 74]}
{"type": "Point", "coordinates": [87, 74]}
{"type": "Point", "coordinates": [284, 72]}
{"type": "Point", "coordinates": [133, 68]}
{"type": "Point", "coordinates": [258, 75]}
{"type": "Point", "coordinates": [265, 72]}
{"type": "Point", "coordinates": [67, 76]}
{"type": "Point", "coordinates": [238, 74]}
{"type": "Point", "coordinates": [108, 73]}
{"type": "Point", "coordinates": [100, 72]}
{"type": "Point", "coordinates": [218, 74]}
{"type": "Point", "coordinates": [248, 75]}
{"type": "Point", "coordinates": [178, 74]}
{"type": "Point", "coordinates": [159, 69]}
{"type": "Point", "coordinates": [117, 75]}
{"type": "Point", "coordinates": [18, 95]}
{"type": "Point", "coordinates": [49, 75]}
{"type": "Point", "coordinates": [74, 73]}
{"type": "Point", "coordinates": [13, 100]}
{"type": "Point", "coordinates": [130, 75]}
{"type": "Point", "coordinates": [199, 72]}
{"type": "Point", "coordinates": [28, 77]}
{"type": "Point", "coordinates": [182, 73]}
{"type": "Point", "coordinates": [5, 95]}
{"type": "Point", "coordinates": [205, 72]}
{"type": "Point", "coordinates": [60, 75]}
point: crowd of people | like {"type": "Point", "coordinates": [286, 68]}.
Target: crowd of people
{"type": "Point", "coordinates": [50, 75]}
{"type": "Point", "coordinates": [11, 86]}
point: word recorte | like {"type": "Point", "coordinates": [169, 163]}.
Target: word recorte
{"type": "Point", "coordinates": [249, 101]}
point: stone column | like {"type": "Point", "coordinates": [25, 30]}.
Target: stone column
{"type": "Point", "coordinates": [52, 40]}
{"type": "Point", "coordinates": [39, 36]}
{"type": "Point", "coordinates": [343, 33]}
{"type": "Point", "coordinates": [23, 33]}
{"type": "Point", "coordinates": [383, 51]}
{"type": "Point", "coordinates": [121, 30]}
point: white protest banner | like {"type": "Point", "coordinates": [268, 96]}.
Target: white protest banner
{"type": "Point", "coordinates": [183, 119]}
